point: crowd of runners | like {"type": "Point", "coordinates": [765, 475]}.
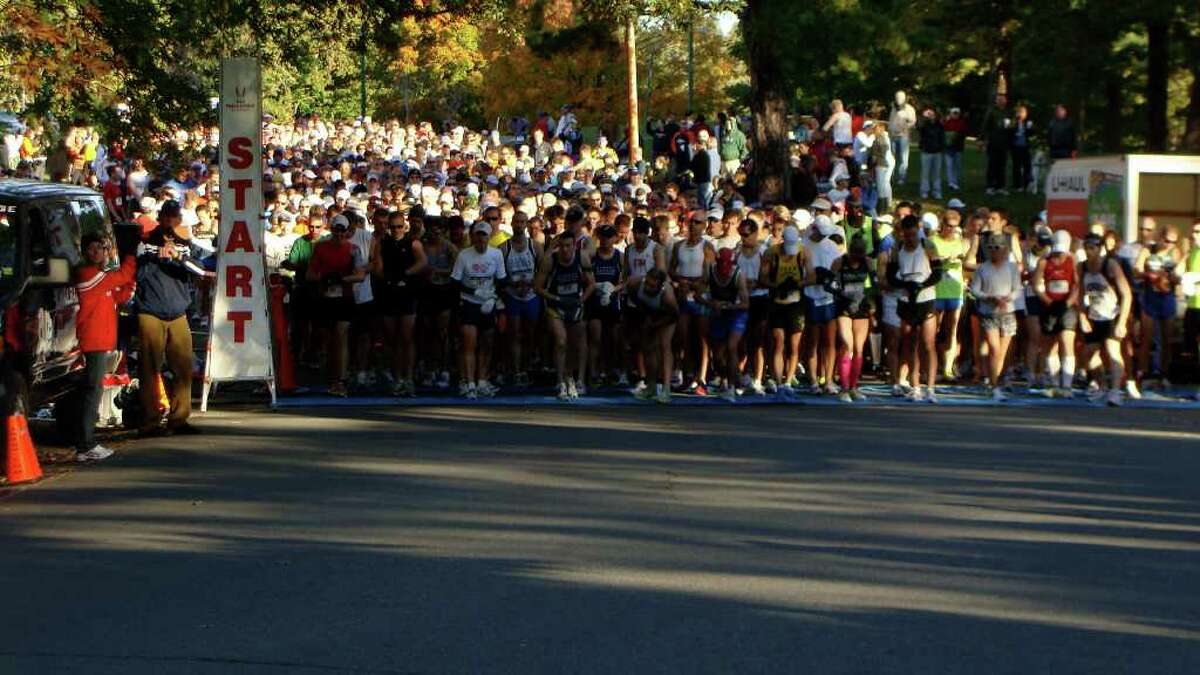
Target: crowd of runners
{"type": "Point", "coordinates": [423, 259]}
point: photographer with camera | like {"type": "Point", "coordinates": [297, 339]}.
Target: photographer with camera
{"type": "Point", "coordinates": [164, 293]}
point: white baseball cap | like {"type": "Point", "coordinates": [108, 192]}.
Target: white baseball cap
{"type": "Point", "coordinates": [791, 240]}
{"type": "Point", "coordinates": [825, 225]}
{"type": "Point", "coordinates": [1062, 242]}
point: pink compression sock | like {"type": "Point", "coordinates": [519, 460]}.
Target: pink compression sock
{"type": "Point", "coordinates": [856, 371]}
{"type": "Point", "coordinates": [844, 370]}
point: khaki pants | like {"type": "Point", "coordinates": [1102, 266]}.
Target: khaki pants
{"type": "Point", "coordinates": [174, 339]}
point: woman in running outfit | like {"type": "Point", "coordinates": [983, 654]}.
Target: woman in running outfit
{"type": "Point", "coordinates": [851, 285]}
{"type": "Point", "coordinates": [729, 300]}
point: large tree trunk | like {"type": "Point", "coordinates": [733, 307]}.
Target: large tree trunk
{"type": "Point", "coordinates": [1158, 32]}
{"type": "Point", "coordinates": [768, 102]}
{"type": "Point", "coordinates": [1191, 137]}
{"type": "Point", "coordinates": [1112, 111]}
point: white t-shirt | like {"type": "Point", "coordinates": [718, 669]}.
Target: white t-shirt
{"type": "Point", "coordinates": [820, 254]}
{"type": "Point", "coordinates": [993, 281]}
{"type": "Point", "coordinates": [362, 239]}
{"type": "Point", "coordinates": [276, 248]}
{"type": "Point", "coordinates": [477, 270]}
{"type": "Point", "coordinates": [842, 125]}
{"type": "Point", "coordinates": [731, 241]}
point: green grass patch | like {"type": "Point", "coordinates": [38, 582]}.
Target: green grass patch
{"type": "Point", "coordinates": [1022, 207]}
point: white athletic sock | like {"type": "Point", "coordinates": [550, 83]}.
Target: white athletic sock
{"type": "Point", "coordinates": [1068, 371]}
{"type": "Point", "coordinates": [1052, 366]}
{"type": "Point", "coordinates": [658, 388]}
{"type": "Point", "coordinates": [876, 347]}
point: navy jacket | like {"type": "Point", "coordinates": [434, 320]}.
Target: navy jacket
{"type": "Point", "coordinates": [164, 286]}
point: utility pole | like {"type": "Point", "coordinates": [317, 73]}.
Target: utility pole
{"type": "Point", "coordinates": [649, 98]}
{"type": "Point", "coordinates": [635, 151]}
{"type": "Point", "coordinates": [691, 68]}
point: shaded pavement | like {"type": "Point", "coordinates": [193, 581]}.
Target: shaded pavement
{"type": "Point", "coordinates": [825, 540]}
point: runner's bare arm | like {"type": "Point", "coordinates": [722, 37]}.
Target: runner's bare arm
{"type": "Point", "coordinates": [421, 262]}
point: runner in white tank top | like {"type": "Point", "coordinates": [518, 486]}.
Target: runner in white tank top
{"type": "Point", "coordinates": [688, 267]}
{"type": "Point", "coordinates": [1108, 301]}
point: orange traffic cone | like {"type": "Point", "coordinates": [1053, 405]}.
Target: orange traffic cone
{"type": "Point", "coordinates": [285, 374]}
{"type": "Point", "coordinates": [23, 463]}
{"type": "Point", "coordinates": [164, 402]}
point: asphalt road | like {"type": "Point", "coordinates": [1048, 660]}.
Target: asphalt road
{"type": "Point", "coordinates": [618, 540]}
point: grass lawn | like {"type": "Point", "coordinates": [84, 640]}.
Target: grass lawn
{"type": "Point", "coordinates": [1022, 207]}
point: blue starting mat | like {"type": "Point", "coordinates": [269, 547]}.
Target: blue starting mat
{"type": "Point", "coordinates": [877, 395]}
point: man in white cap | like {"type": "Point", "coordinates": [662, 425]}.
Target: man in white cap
{"type": "Point", "coordinates": [820, 316]}
{"type": "Point", "coordinates": [1057, 285]}
{"type": "Point", "coordinates": [477, 269]}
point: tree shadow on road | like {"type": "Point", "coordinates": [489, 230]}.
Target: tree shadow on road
{"type": "Point", "coordinates": [609, 541]}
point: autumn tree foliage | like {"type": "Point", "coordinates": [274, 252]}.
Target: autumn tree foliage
{"type": "Point", "coordinates": [51, 62]}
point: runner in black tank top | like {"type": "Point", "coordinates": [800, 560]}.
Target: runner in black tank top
{"type": "Point", "coordinates": [604, 308]}
{"type": "Point", "coordinates": [564, 280]}
{"type": "Point", "coordinates": [400, 259]}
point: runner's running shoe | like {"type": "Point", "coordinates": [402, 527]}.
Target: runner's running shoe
{"type": "Point", "coordinates": [96, 454]}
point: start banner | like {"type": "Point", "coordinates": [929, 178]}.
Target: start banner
{"type": "Point", "coordinates": [239, 346]}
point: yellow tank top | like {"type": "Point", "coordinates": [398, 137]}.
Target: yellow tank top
{"type": "Point", "coordinates": [788, 267]}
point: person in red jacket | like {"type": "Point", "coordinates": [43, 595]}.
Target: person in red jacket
{"type": "Point", "coordinates": [96, 327]}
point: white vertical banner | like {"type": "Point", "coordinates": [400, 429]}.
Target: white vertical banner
{"type": "Point", "coordinates": [239, 346]}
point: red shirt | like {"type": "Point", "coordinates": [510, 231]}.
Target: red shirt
{"type": "Point", "coordinates": [333, 257]}
{"type": "Point", "coordinates": [113, 195]}
{"type": "Point", "coordinates": [99, 293]}
{"type": "Point", "coordinates": [148, 223]}
{"type": "Point", "coordinates": [952, 124]}
{"type": "Point", "coordinates": [1059, 276]}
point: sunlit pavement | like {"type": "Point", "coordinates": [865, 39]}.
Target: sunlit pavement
{"type": "Point", "coordinates": [614, 540]}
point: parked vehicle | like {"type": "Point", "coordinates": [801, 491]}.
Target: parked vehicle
{"type": "Point", "coordinates": [41, 225]}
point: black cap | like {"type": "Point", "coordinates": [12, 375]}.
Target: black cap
{"type": "Point", "coordinates": [1093, 239]}
{"type": "Point", "coordinates": [606, 231]}
{"type": "Point", "coordinates": [169, 208]}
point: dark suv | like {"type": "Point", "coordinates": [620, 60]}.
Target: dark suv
{"type": "Point", "coordinates": [41, 225]}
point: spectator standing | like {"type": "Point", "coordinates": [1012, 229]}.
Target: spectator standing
{"type": "Point", "coordinates": [681, 146]}
{"type": "Point", "coordinates": [997, 132]}
{"type": "Point", "coordinates": [956, 136]}
{"type": "Point", "coordinates": [884, 160]}
{"type": "Point", "coordinates": [1022, 132]}
{"type": "Point", "coordinates": [701, 167]}
{"type": "Point", "coordinates": [114, 193]}
{"type": "Point", "coordinates": [733, 148]}
{"type": "Point", "coordinates": [863, 140]}
{"type": "Point", "coordinates": [96, 327]}
{"type": "Point", "coordinates": [1060, 135]}
{"type": "Point", "coordinates": [932, 137]}
{"type": "Point", "coordinates": [839, 124]}
{"type": "Point", "coordinates": [164, 292]}
{"type": "Point", "coordinates": [900, 125]}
